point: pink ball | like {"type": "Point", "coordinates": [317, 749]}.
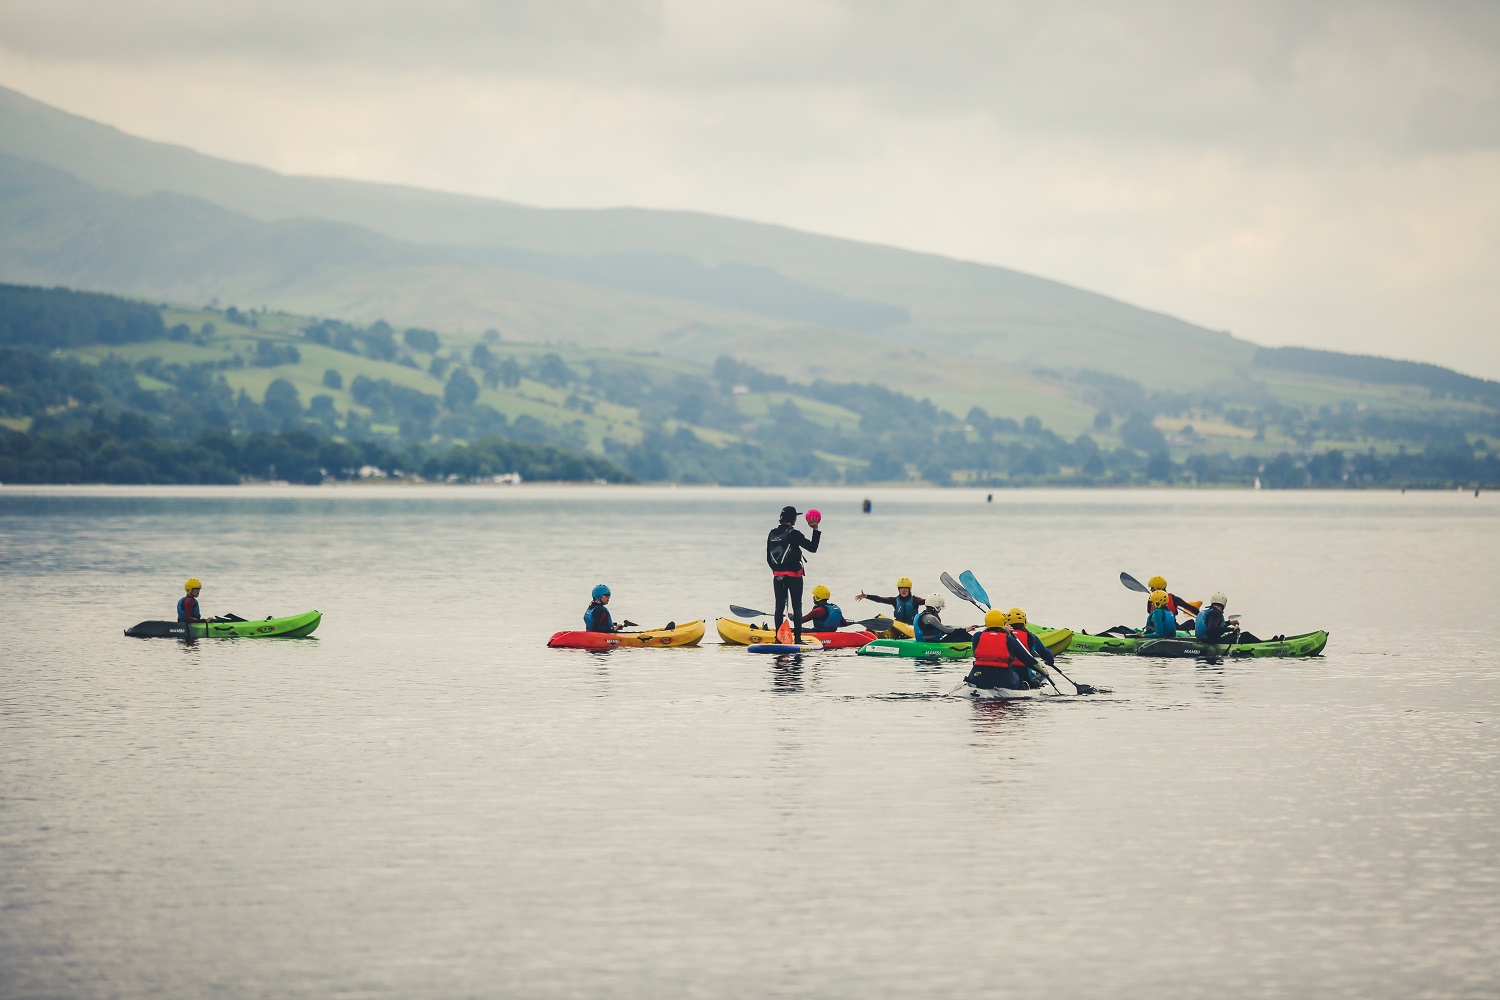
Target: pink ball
{"type": "Point", "coordinates": [814, 516]}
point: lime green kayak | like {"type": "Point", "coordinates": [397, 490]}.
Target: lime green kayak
{"type": "Point", "coordinates": [289, 627]}
{"type": "Point", "coordinates": [1306, 644]}
{"type": "Point", "coordinates": [1056, 640]}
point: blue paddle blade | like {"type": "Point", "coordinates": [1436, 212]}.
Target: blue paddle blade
{"type": "Point", "coordinates": [972, 586]}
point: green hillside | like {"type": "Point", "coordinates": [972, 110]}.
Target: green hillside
{"type": "Point", "coordinates": [74, 366]}
{"type": "Point", "coordinates": [1023, 376]}
{"type": "Point", "coordinates": [691, 285]}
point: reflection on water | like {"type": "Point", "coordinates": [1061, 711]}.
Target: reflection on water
{"type": "Point", "coordinates": [426, 801]}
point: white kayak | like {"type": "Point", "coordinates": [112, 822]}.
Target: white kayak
{"type": "Point", "coordinates": [999, 694]}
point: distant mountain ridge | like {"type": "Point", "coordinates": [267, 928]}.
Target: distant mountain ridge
{"type": "Point", "coordinates": [86, 206]}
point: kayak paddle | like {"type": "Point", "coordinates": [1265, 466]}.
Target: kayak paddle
{"type": "Point", "coordinates": [960, 592]}
{"type": "Point", "coordinates": [971, 584]}
{"type": "Point", "coordinates": [878, 624]}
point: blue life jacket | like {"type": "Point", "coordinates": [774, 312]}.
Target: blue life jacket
{"type": "Point", "coordinates": [834, 619]}
{"type": "Point", "coordinates": [905, 608]}
{"type": "Point", "coordinates": [1209, 625]}
{"type": "Point", "coordinates": [182, 612]}
{"type": "Point", "coordinates": [588, 618]}
{"type": "Point", "coordinates": [923, 635]}
{"type": "Point", "coordinates": [1162, 624]}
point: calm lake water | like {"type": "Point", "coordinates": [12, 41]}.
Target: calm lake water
{"type": "Point", "coordinates": [423, 801]}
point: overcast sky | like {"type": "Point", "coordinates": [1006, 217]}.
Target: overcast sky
{"type": "Point", "coordinates": [1325, 174]}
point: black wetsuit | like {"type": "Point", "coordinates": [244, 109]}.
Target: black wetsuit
{"type": "Point", "coordinates": [784, 548]}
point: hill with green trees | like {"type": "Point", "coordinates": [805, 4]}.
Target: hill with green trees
{"type": "Point", "coordinates": [83, 205]}
{"type": "Point", "coordinates": [95, 388]}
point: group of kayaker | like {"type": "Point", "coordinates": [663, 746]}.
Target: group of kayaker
{"type": "Point", "coordinates": [1208, 624]}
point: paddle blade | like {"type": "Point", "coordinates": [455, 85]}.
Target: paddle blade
{"type": "Point", "coordinates": [957, 591]}
{"type": "Point", "coordinates": [740, 612]}
{"type": "Point", "coordinates": [784, 633]}
{"type": "Point", "coordinates": [971, 584]}
{"type": "Point", "coordinates": [1133, 584]}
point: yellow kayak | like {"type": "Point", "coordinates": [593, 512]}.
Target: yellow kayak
{"type": "Point", "coordinates": [686, 634]}
{"type": "Point", "coordinates": [738, 633]}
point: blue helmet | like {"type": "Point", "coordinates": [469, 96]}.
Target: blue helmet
{"type": "Point", "coordinates": [600, 590]}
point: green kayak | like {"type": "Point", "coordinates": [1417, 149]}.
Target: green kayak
{"type": "Point", "coordinates": [1056, 640]}
{"type": "Point", "coordinates": [290, 627]}
{"type": "Point", "coordinates": [1307, 644]}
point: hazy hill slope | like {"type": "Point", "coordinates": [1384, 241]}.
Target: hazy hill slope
{"type": "Point", "coordinates": [84, 205]}
{"type": "Point", "coordinates": [948, 305]}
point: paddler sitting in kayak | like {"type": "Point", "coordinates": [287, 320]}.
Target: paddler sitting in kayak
{"type": "Point", "coordinates": [1161, 623]}
{"type": "Point", "coordinates": [825, 616]}
{"type": "Point", "coordinates": [1212, 627]}
{"type": "Point", "coordinates": [928, 625]}
{"type": "Point", "coordinates": [1000, 659]}
{"type": "Point", "coordinates": [1015, 619]}
{"type": "Point", "coordinates": [188, 609]}
{"type": "Point", "coordinates": [1174, 603]}
{"type": "Point", "coordinates": [904, 605]}
{"type": "Point", "coordinates": [597, 618]}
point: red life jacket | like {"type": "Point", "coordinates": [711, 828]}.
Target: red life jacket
{"type": "Point", "coordinates": [993, 649]}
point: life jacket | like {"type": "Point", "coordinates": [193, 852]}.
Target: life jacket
{"type": "Point", "coordinates": [1023, 635]}
{"type": "Point", "coordinates": [834, 619]}
{"type": "Point", "coordinates": [1169, 621]}
{"type": "Point", "coordinates": [1205, 623]}
{"type": "Point", "coordinates": [993, 650]}
{"type": "Point", "coordinates": [183, 608]}
{"type": "Point", "coordinates": [922, 635]}
{"type": "Point", "coordinates": [905, 608]}
{"type": "Point", "coordinates": [588, 618]}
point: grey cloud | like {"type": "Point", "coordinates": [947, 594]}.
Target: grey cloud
{"type": "Point", "coordinates": [1265, 79]}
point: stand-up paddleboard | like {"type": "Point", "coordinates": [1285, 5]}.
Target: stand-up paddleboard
{"type": "Point", "coordinates": [785, 643]}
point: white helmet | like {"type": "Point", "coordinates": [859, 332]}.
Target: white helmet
{"type": "Point", "coordinates": [1219, 599]}
{"type": "Point", "coordinates": [935, 602]}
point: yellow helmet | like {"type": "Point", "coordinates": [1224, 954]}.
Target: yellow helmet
{"type": "Point", "coordinates": [1158, 598]}
{"type": "Point", "coordinates": [994, 618]}
{"type": "Point", "coordinates": [193, 584]}
{"type": "Point", "coordinates": [905, 581]}
{"type": "Point", "coordinates": [820, 593]}
{"type": "Point", "coordinates": [1016, 617]}
{"type": "Point", "coordinates": [1157, 583]}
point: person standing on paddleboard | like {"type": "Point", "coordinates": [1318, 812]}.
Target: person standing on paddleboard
{"type": "Point", "coordinates": [784, 554]}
